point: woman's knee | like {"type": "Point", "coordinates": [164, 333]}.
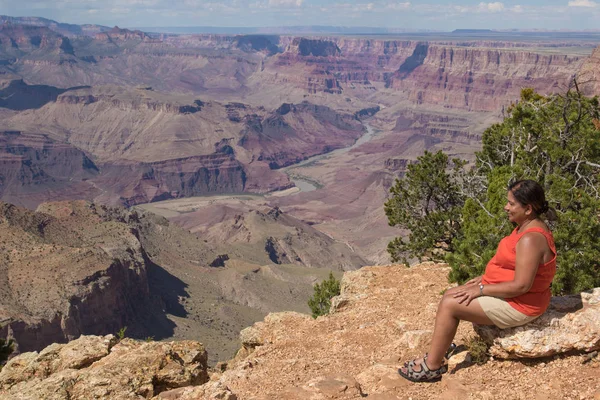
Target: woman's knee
{"type": "Point", "coordinates": [452, 290]}
{"type": "Point", "coordinates": [448, 302]}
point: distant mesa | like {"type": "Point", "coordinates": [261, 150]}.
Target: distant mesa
{"type": "Point", "coordinates": [314, 47]}
{"type": "Point", "coordinates": [259, 43]}
{"type": "Point", "coordinates": [117, 33]}
{"type": "Point", "coordinates": [470, 31]}
{"type": "Point", "coordinates": [70, 30]}
{"type": "Point", "coordinates": [15, 39]}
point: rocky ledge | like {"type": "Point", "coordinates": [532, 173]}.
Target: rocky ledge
{"type": "Point", "coordinates": [383, 317]}
{"type": "Point", "coordinates": [571, 323]}
{"type": "Point", "coordinates": [102, 367]}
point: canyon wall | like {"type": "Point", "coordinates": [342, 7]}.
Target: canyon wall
{"type": "Point", "coordinates": [34, 168]}
{"type": "Point", "coordinates": [589, 75]}
{"type": "Point", "coordinates": [472, 75]}
{"type": "Point", "coordinates": [104, 288]}
{"type": "Point", "coordinates": [135, 183]}
{"type": "Point", "coordinates": [481, 79]}
{"type": "Point", "coordinates": [148, 146]}
{"type": "Point", "coordinates": [464, 76]}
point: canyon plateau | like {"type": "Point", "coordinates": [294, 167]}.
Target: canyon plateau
{"type": "Point", "coordinates": [185, 186]}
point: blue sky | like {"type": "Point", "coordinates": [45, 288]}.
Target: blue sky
{"type": "Point", "coordinates": [408, 14]}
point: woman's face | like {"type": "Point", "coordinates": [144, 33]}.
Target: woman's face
{"type": "Point", "coordinates": [517, 212]}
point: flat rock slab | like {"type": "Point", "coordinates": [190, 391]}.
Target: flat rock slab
{"type": "Point", "coordinates": [571, 323]}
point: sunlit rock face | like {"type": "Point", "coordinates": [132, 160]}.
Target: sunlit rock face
{"type": "Point", "coordinates": [571, 323]}
{"type": "Point", "coordinates": [103, 367]}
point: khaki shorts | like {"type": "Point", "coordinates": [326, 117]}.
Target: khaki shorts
{"type": "Point", "coordinates": [501, 313]}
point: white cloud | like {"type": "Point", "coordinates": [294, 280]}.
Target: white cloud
{"type": "Point", "coordinates": [399, 6]}
{"type": "Point", "coordinates": [286, 3]}
{"type": "Point", "coordinates": [582, 3]}
{"type": "Point", "coordinates": [517, 9]}
{"type": "Point", "coordinates": [119, 10]}
{"type": "Point", "coordinates": [491, 7]}
{"type": "Point", "coordinates": [462, 9]}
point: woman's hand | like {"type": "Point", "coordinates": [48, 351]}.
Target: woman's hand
{"type": "Point", "coordinates": [474, 281]}
{"type": "Point", "coordinates": [467, 293]}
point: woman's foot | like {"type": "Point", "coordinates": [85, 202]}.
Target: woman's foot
{"type": "Point", "coordinates": [419, 361]}
{"type": "Point", "coordinates": [419, 371]}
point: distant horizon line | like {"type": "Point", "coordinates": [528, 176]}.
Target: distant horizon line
{"type": "Point", "coordinates": [365, 29]}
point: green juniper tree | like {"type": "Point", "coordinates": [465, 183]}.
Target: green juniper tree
{"type": "Point", "coordinates": [554, 140]}
{"type": "Point", "coordinates": [427, 202]}
{"type": "Point", "coordinates": [321, 301]}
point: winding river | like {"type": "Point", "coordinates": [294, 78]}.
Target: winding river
{"type": "Point", "coordinates": [306, 184]}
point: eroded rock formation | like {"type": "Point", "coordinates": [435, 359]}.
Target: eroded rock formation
{"type": "Point", "coordinates": [480, 79]}
{"type": "Point", "coordinates": [36, 168]}
{"type": "Point", "coordinates": [103, 367]}
{"type": "Point", "coordinates": [75, 269]}
{"type": "Point", "coordinates": [148, 146]}
{"type": "Point", "coordinates": [572, 323]}
{"type": "Point", "coordinates": [281, 140]}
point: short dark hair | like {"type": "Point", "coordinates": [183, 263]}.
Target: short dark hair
{"type": "Point", "coordinates": [528, 192]}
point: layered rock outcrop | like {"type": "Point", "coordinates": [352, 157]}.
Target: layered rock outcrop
{"type": "Point", "coordinates": [295, 132]}
{"type": "Point", "coordinates": [22, 39]}
{"type": "Point", "coordinates": [136, 183]}
{"type": "Point", "coordinates": [148, 146]}
{"type": "Point", "coordinates": [59, 27]}
{"type": "Point", "coordinates": [117, 33]}
{"type": "Point", "coordinates": [588, 76]}
{"type": "Point", "coordinates": [74, 268]}
{"type": "Point", "coordinates": [464, 75]}
{"type": "Point", "coordinates": [35, 168]}
{"type": "Point", "coordinates": [313, 47]}
{"type": "Point", "coordinates": [105, 288]}
{"type": "Point", "coordinates": [103, 367]}
{"type": "Point", "coordinates": [480, 79]}
{"type": "Point", "coordinates": [571, 323]}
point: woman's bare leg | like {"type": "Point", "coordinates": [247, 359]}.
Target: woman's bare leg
{"type": "Point", "coordinates": [449, 314]}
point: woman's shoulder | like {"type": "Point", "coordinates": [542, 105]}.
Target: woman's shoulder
{"type": "Point", "coordinates": [537, 226]}
{"type": "Point", "coordinates": [538, 235]}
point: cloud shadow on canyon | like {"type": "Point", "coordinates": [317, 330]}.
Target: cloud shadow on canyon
{"type": "Point", "coordinates": [19, 96]}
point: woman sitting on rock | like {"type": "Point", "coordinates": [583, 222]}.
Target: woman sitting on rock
{"type": "Point", "coordinates": [514, 290]}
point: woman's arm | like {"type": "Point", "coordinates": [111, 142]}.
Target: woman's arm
{"type": "Point", "coordinates": [530, 253]}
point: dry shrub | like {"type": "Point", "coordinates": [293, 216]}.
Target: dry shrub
{"type": "Point", "coordinates": [478, 349]}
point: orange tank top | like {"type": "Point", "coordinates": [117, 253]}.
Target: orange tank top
{"type": "Point", "coordinates": [501, 268]}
